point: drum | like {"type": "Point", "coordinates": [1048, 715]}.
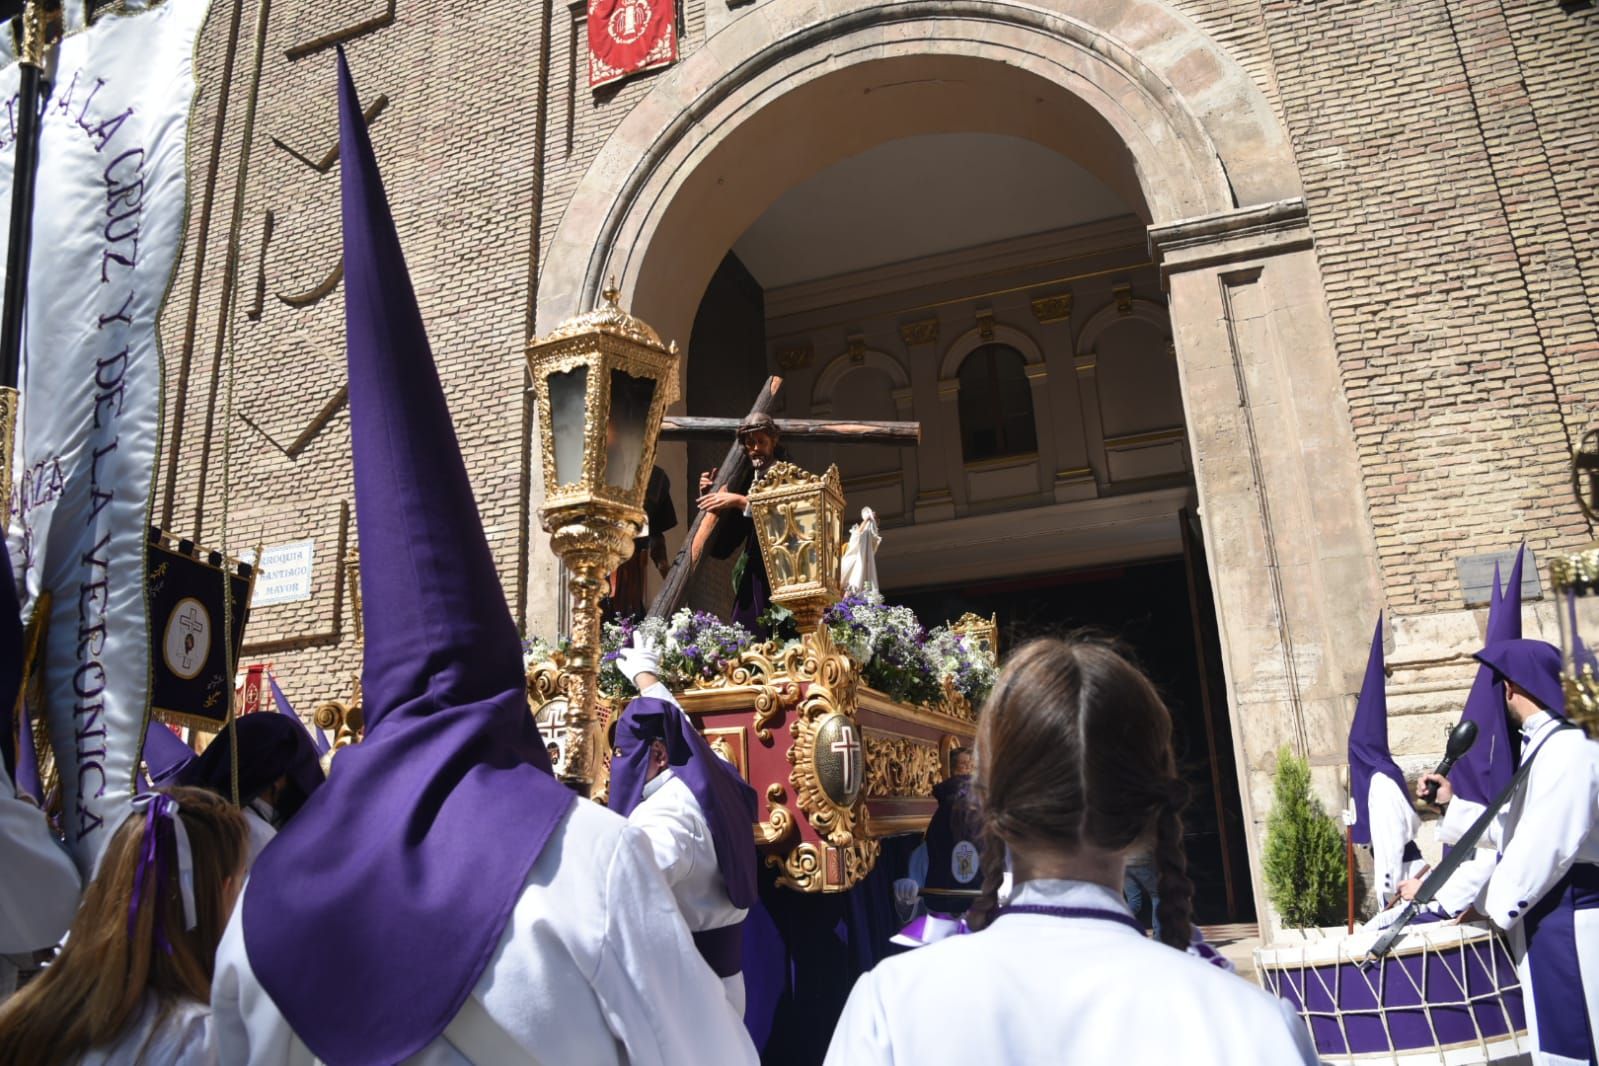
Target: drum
{"type": "Point", "coordinates": [1446, 995]}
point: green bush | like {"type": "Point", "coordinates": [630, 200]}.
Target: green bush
{"type": "Point", "coordinates": [1305, 873]}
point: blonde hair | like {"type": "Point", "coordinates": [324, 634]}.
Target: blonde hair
{"type": "Point", "coordinates": [111, 961]}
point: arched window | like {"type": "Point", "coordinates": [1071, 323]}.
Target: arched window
{"type": "Point", "coordinates": [996, 404]}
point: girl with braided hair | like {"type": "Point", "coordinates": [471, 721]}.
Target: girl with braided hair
{"type": "Point", "coordinates": [1075, 770]}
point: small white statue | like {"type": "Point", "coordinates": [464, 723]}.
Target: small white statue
{"type": "Point", "coordinates": [858, 567]}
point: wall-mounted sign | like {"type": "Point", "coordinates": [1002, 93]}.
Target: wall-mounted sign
{"type": "Point", "coordinates": [284, 575]}
{"type": "Point", "coordinates": [1477, 576]}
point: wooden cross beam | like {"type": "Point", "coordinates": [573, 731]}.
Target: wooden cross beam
{"type": "Point", "coordinates": [736, 466]}
{"type": "Point", "coordinates": [817, 430]}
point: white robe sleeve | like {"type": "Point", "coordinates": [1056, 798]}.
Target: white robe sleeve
{"type": "Point", "coordinates": [39, 885]}
{"type": "Point", "coordinates": [660, 998]}
{"type": "Point", "coordinates": [1461, 814]}
{"type": "Point", "coordinates": [1465, 885]}
{"type": "Point", "coordinates": [1393, 825]}
{"type": "Point", "coordinates": [1557, 817]}
{"type": "Point", "coordinates": [861, 1037]}
{"type": "Point", "coordinates": [677, 833]}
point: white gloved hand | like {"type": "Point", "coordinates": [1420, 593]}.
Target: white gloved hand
{"type": "Point", "coordinates": [642, 656]}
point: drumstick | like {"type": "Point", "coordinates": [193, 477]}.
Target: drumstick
{"type": "Point", "coordinates": [1349, 877]}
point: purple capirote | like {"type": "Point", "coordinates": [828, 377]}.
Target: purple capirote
{"type": "Point", "coordinates": [1485, 770]}
{"type": "Point", "coordinates": [373, 914]}
{"type": "Point", "coordinates": [1368, 741]}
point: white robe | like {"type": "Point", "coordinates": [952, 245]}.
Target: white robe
{"type": "Point", "coordinates": [39, 885]}
{"type": "Point", "coordinates": [1551, 823]}
{"type": "Point", "coordinates": [595, 967]}
{"type": "Point", "coordinates": [183, 1038]}
{"type": "Point", "coordinates": [1394, 824]}
{"type": "Point", "coordinates": [260, 828]}
{"type": "Point", "coordinates": [1043, 989]}
{"type": "Point", "coordinates": [681, 840]}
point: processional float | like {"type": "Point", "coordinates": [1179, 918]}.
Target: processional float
{"type": "Point", "coordinates": [836, 764]}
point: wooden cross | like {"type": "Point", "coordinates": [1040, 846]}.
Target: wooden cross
{"type": "Point", "coordinates": [736, 465]}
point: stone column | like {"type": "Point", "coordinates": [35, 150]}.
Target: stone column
{"type": "Point", "coordinates": [1292, 557]}
{"type": "Point", "coordinates": [932, 501]}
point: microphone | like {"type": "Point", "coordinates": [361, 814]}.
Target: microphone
{"type": "Point", "coordinates": [1461, 738]}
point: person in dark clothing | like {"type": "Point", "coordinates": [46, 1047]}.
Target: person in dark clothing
{"type": "Point", "coordinates": [628, 597]}
{"type": "Point", "coordinates": [734, 531]}
{"type": "Point", "coordinates": [954, 840]}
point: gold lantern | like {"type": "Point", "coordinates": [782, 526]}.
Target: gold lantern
{"type": "Point", "coordinates": [798, 516]}
{"type": "Point", "coordinates": [1574, 580]}
{"type": "Point", "coordinates": [603, 381]}
{"type": "Point", "coordinates": [982, 634]}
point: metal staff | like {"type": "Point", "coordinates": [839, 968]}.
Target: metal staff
{"type": "Point", "coordinates": [31, 91]}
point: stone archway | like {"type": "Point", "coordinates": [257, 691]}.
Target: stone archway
{"type": "Point", "coordinates": [1141, 97]}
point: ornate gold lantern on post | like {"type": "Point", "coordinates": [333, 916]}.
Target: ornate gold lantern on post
{"type": "Point", "coordinates": [982, 634]}
{"type": "Point", "coordinates": [798, 516]}
{"type": "Point", "coordinates": [603, 381]}
{"type": "Point", "coordinates": [1574, 579]}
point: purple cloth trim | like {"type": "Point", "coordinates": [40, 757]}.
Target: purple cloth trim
{"type": "Point", "coordinates": [1368, 741]}
{"type": "Point", "coordinates": [722, 949]}
{"type": "Point", "coordinates": [1351, 1011]}
{"type": "Point", "coordinates": [1411, 853]}
{"type": "Point", "coordinates": [374, 912]}
{"type": "Point", "coordinates": [1553, 966]}
{"type": "Point", "coordinates": [1071, 912]}
{"type": "Point", "coordinates": [725, 799]}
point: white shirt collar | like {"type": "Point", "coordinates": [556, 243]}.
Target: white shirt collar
{"type": "Point", "coordinates": [654, 784]}
{"type": "Point", "coordinates": [1532, 726]}
{"type": "Point", "coordinates": [1070, 894]}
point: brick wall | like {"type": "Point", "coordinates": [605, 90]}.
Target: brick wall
{"type": "Point", "coordinates": [1447, 152]}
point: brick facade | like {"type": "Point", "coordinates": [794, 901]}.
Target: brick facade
{"type": "Point", "coordinates": [1446, 153]}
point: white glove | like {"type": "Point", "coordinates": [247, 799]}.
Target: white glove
{"type": "Point", "coordinates": [643, 656]}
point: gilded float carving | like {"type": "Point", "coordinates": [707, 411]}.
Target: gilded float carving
{"type": "Point", "coordinates": [900, 766]}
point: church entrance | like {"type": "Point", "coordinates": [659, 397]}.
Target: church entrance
{"type": "Point", "coordinates": [1000, 294]}
{"type": "Point", "coordinates": [1083, 263]}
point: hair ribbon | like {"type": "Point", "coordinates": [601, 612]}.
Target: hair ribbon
{"type": "Point", "coordinates": [159, 808]}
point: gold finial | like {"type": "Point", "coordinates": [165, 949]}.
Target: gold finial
{"type": "Point", "coordinates": [611, 292]}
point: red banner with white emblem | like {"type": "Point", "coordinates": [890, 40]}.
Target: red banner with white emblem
{"type": "Point", "coordinates": [627, 36]}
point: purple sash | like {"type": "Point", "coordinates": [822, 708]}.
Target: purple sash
{"type": "Point", "coordinates": [1559, 1005]}
{"type": "Point", "coordinates": [722, 949]}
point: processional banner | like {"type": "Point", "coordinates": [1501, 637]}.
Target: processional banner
{"type": "Point", "coordinates": [108, 222]}
{"type": "Point", "coordinates": [628, 36]}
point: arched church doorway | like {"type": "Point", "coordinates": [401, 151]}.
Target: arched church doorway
{"type": "Point", "coordinates": [1003, 296]}
{"type": "Point", "coordinates": [1205, 241]}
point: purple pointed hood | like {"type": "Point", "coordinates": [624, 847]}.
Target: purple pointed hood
{"type": "Point", "coordinates": [279, 700]}
{"type": "Point", "coordinates": [164, 753]}
{"type": "Point", "coordinates": [1368, 741]}
{"type": "Point", "coordinates": [1484, 771]}
{"type": "Point", "coordinates": [375, 911]}
{"type": "Point", "coordinates": [1532, 665]}
{"type": "Point", "coordinates": [270, 746]}
{"type": "Point", "coordinates": [725, 799]}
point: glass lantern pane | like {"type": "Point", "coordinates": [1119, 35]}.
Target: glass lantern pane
{"type": "Point", "coordinates": [631, 398]}
{"type": "Point", "coordinates": [568, 393]}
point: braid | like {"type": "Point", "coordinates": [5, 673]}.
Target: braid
{"type": "Point", "coordinates": [1176, 910]}
{"type": "Point", "coordinates": [982, 909]}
